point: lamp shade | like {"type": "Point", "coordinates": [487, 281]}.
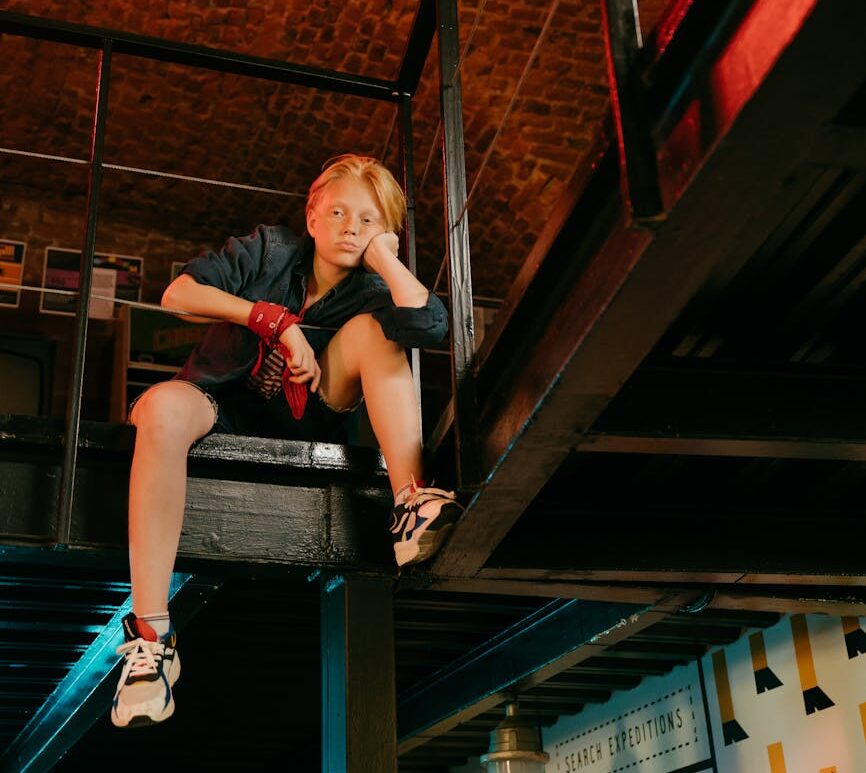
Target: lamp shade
{"type": "Point", "coordinates": [515, 746]}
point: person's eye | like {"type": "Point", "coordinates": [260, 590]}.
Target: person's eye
{"type": "Point", "coordinates": [336, 212]}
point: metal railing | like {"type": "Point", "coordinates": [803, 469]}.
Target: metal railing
{"type": "Point", "coordinates": [432, 15]}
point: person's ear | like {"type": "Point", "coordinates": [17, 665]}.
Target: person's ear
{"type": "Point", "coordinates": [311, 222]}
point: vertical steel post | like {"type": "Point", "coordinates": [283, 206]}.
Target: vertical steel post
{"type": "Point", "coordinates": [407, 159]}
{"type": "Point", "coordinates": [359, 702]}
{"type": "Point", "coordinates": [73, 408]}
{"type": "Point", "coordinates": [457, 248]}
{"type": "Point", "coordinates": [637, 156]}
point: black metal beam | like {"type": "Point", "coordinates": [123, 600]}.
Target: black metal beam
{"type": "Point", "coordinates": [407, 159]}
{"type": "Point", "coordinates": [715, 445]}
{"type": "Point", "coordinates": [85, 692]}
{"type": "Point", "coordinates": [637, 153]}
{"type": "Point", "coordinates": [307, 500]}
{"type": "Point", "coordinates": [710, 410]}
{"type": "Point", "coordinates": [767, 592]}
{"type": "Point", "coordinates": [548, 271]}
{"type": "Point", "coordinates": [538, 586]}
{"type": "Point", "coordinates": [462, 331]}
{"type": "Point", "coordinates": [805, 599]}
{"type": "Point", "coordinates": [635, 285]}
{"type": "Point", "coordinates": [197, 56]}
{"type": "Point", "coordinates": [418, 48]}
{"type": "Point", "coordinates": [32, 437]}
{"type": "Point", "coordinates": [73, 407]}
{"type": "Point", "coordinates": [685, 542]}
{"type": "Point", "coordinates": [556, 637]}
{"type": "Point", "coordinates": [358, 680]}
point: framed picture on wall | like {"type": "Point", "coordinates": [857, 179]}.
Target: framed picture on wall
{"type": "Point", "coordinates": [11, 270]}
{"type": "Point", "coordinates": [114, 276]}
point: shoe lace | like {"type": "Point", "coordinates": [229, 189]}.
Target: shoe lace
{"type": "Point", "coordinates": [141, 656]}
{"type": "Point", "coordinates": [419, 495]}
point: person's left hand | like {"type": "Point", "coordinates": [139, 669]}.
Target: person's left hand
{"type": "Point", "coordinates": [382, 247]}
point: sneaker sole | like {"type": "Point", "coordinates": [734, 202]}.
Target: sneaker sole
{"type": "Point", "coordinates": [144, 720]}
{"type": "Point", "coordinates": [428, 543]}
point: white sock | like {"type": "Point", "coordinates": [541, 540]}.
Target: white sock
{"type": "Point", "coordinates": [159, 621]}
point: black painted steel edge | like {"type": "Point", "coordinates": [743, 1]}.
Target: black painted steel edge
{"type": "Point", "coordinates": [96, 437]}
{"type": "Point", "coordinates": [197, 56]}
{"type": "Point", "coordinates": [94, 182]}
{"type": "Point", "coordinates": [462, 333]}
{"type": "Point", "coordinates": [408, 164]}
{"type": "Point", "coordinates": [418, 48]}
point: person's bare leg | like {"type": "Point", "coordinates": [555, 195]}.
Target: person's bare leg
{"type": "Point", "coordinates": [169, 418]}
{"type": "Point", "coordinates": [360, 359]}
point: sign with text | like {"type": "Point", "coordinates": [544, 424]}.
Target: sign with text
{"type": "Point", "coordinates": [11, 270]}
{"type": "Point", "coordinates": [114, 276]}
{"type": "Point", "coordinates": [659, 727]}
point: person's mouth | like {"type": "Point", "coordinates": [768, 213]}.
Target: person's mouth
{"type": "Point", "coordinates": [349, 246]}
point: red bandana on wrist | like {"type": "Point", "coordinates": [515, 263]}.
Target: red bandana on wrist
{"type": "Point", "coordinates": [268, 321]}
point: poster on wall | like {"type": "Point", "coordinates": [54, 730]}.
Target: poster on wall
{"type": "Point", "coordinates": [114, 276]}
{"type": "Point", "coordinates": [11, 270]}
{"type": "Point", "coordinates": [791, 698]}
{"type": "Point", "coordinates": [659, 727]}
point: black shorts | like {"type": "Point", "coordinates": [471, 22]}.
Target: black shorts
{"type": "Point", "coordinates": [240, 411]}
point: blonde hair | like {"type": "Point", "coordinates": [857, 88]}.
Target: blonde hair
{"type": "Point", "coordinates": [365, 169]}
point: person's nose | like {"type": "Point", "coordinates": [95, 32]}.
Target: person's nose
{"type": "Point", "coordinates": [350, 225]}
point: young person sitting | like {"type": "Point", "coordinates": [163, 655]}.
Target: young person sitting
{"type": "Point", "coordinates": [258, 373]}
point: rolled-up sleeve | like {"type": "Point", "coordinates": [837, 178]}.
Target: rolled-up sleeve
{"type": "Point", "coordinates": [234, 267]}
{"type": "Point", "coordinates": [411, 327]}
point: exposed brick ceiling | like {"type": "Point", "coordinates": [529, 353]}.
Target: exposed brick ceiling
{"type": "Point", "coordinates": [205, 124]}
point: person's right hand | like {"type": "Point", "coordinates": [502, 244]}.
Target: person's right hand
{"type": "Point", "coordinates": [302, 363]}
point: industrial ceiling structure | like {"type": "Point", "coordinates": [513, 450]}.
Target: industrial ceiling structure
{"type": "Point", "coordinates": [658, 436]}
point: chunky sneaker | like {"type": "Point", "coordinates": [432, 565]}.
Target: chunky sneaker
{"type": "Point", "coordinates": [421, 522]}
{"type": "Point", "coordinates": [151, 668]}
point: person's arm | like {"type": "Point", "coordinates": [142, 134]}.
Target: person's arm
{"type": "Point", "coordinates": [381, 258]}
{"type": "Point", "coordinates": [408, 313]}
{"type": "Point", "coordinates": [185, 294]}
{"type": "Point", "coordinates": [208, 303]}
{"type": "Point", "coordinates": [211, 283]}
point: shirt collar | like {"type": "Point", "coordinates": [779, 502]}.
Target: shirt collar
{"type": "Point", "coordinates": [305, 263]}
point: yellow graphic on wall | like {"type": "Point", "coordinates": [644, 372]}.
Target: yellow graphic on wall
{"type": "Point", "coordinates": [731, 730]}
{"type": "Point", "coordinates": [814, 698]}
{"type": "Point", "coordinates": [823, 730]}
{"type": "Point", "coordinates": [777, 758]}
{"type": "Point", "coordinates": [765, 679]}
{"type": "Point", "coordinates": [855, 637]}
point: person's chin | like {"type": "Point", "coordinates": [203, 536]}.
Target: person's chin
{"type": "Point", "coordinates": [348, 259]}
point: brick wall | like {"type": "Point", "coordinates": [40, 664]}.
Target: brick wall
{"type": "Point", "coordinates": [235, 129]}
{"type": "Point", "coordinates": [210, 125]}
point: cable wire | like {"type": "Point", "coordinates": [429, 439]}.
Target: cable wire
{"type": "Point", "coordinates": [155, 173]}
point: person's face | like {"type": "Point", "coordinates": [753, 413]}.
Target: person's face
{"type": "Point", "coordinates": [343, 221]}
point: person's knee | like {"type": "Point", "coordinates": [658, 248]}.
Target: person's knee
{"type": "Point", "coordinates": [369, 332]}
{"type": "Point", "coordinates": [172, 413]}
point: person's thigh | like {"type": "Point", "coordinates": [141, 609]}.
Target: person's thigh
{"type": "Point", "coordinates": [177, 409]}
{"type": "Point", "coordinates": [340, 361]}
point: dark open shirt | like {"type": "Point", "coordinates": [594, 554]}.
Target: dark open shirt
{"type": "Point", "coordinates": [272, 264]}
